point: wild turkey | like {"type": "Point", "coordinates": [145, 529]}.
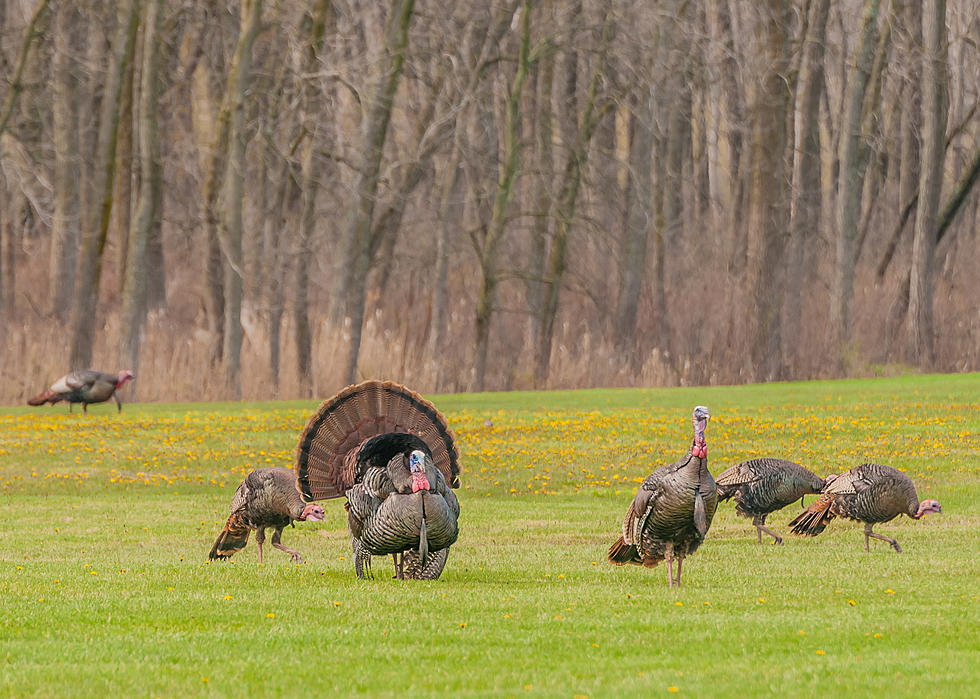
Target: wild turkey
{"type": "Point", "coordinates": [85, 386]}
{"type": "Point", "coordinates": [869, 493]}
{"type": "Point", "coordinates": [672, 510]}
{"type": "Point", "coordinates": [392, 455]}
{"type": "Point", "coordinates": [267, 498]}
{"type": "Point", "coordinates": [762, 486]}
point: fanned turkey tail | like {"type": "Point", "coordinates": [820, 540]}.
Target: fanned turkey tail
{"type": "Point", "coordinates": [232, 538]}
{"type": "Point", "coordinates": [815, 518]}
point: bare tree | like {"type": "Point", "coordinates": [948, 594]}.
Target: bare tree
{"type": "Point", "coordinates": [148, 209]}
{"type": "Point", "coordinates": [935, 107]}
{"type": "Point", "coordinates": [84, 310]}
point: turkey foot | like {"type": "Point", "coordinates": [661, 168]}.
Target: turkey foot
{"type": "Point", "coordinates": [868, 533]}
{"type": "Point", "coordinates": [294, 555]}
{"type": "Point", "coordinates": [777, 539]}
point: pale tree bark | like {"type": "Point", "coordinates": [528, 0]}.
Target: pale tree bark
{"type": "Point", "coordinates": [805, 207]}
{"type": "Point", "coordinates": [565, 210]}
{"type": "Point", "coordinates": [134, 303]}
{"type": "Point", "coordinates": [852, 159]}
{"type": "Point", "coordinates": [312, 172]}
{"type": "Point", "coordinates": [633, 253]}
{"type": "Point", "coordinates": [935, 108]}
{"type": "Point", "coordinates": [230, 226]}
{"type": "Point", "coordinates": [487, 245]}
{"type": "Point", "coordinates": [349, 294]}
{"type": "Point", "coordinates": [122, 207]}
{"type": "Point", "coordinates": [84, 318]}
{"type": "Point", "coordinates": [768, 215]}
{"type": "Point", "coordinates": [67, 211]}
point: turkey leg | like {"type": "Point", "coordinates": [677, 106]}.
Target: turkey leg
{"type": "Point", "coordinates": [670, 572]}
{"type": "Point", "coordinates": [868, 533]}
{"type": "Point", "coordinates": [118, 402]}
{"type": "Point", "coordinates": [679, 562]}
{"type": "Point", "coordinates": [276, 544]}
{"type": "Point", "coordinates": [760, 527]}
{"type": "Point", "coordinates": [399, 565]}
{"type": "Point", "coordinates": [260, 539]}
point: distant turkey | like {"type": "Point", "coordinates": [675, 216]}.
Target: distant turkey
{"type": "Point", "coordinates": [762, 486]}
{"type": "Point", "coordinates": [85, 386]}
{"type": "Point", "coordinates": [267, 498]}
{"type": "Point", "coordinates": [392, 455]}
{"type": "Point", "coordinates": [672, 510]}
{"type": "Point", "coordinates": [869, 493]}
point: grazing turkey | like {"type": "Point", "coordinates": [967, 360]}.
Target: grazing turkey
{"type": "Point", "coordinates": [672, 510]}
{"type": "Point", "coordinates": [392, 455]}
{"type": "Point", "coordinates": [85, 386]}
{"type": "Point", "coordinates": [267, 498]}
{"type": "Point", "coordinates": [869, 493]}
{"type": "Point", "coordinates": [762, 486]}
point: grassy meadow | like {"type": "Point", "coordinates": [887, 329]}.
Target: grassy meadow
{"type": "Point", "coordinates": [106, 522]}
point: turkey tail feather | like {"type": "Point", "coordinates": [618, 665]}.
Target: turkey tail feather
{"type": "Point", "coordinates": [357, 413]}
{"type": "Point", "coordinates": [622, 553]}
{"type": "Point", "coordinates": [815, 518]}
{"type": "Point", "coordinates": [232, 538]}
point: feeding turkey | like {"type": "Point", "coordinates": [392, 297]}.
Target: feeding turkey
{"type": "Point", "coordinates": [85, 386]}
{"type": "Point", "coordinates": [266, 499]}
{"type": "Point", "coordinates": [394, 458]}
{"type": "Point", "coordinates": [759, 487]}
{"type": "Point", "coordinates": [672, 510]}
{"type": "Point", "coordinates": [869, 493]}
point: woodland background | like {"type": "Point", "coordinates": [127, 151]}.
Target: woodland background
{"type": "Point", "coordinates": [272, 199]}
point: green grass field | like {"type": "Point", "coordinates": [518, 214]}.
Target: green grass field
{"type": "Point", "coordinates": [106, 521]}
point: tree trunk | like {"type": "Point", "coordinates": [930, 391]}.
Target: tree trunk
{"type": "Point", "coordinates": [935, 107]}
{"type": "Point", "coordinates": [805, 209]}
{"type": "Point", "coordinates": [488, 250]}
{"type": "Point", "coordinates": [350, 291]}
{"type": "Point", "coordinates": [767, 195]}
{"type": "Point", "coordinates": [633, 254]}
{"type": "Point", "coordinates": [66, 221]}
{"type": "Point", "coordinates": [852, 166]}
{"type": "Point", "coordinates": [134, 305]}
{"type": "Point", "coordinates": [567, 198]}
{"type": "Point", "coordinates": [84, 312]}
{"type": "Point", "coordinates": [231, 220]}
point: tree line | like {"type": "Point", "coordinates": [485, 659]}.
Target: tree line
{"type": "Point", "coordinates": [269, 199]}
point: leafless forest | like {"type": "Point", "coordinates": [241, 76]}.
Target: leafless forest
{"type": "Point", "coordinates": [271, 199]}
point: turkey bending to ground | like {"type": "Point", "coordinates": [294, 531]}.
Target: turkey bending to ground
{"type": "Point", "coordinates": [85, 386]}
{"type": "Point", "coordinates": [762, 486]}
{"type": "Point", "coordinates": [672, 510]}
{"type": "Point", "coordinates": [869, 493]}
{"type": "Point", "coordinates": [392, 455]}
{"type": "Point", "coordinates": [267, 498]}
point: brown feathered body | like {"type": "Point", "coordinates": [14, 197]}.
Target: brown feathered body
{"type": "Point", "coordinates": [266, 499]}
{"type": "Point", "coordinates": [360, 444]}
{"type": "Point", "coordinates": [85, 386]}
{"type": "Point", "coordinates": [869, 493]}
{"type": "Point", "coordinates": [670, 513]}
{"type": "Point", "coordinates": [759, 487]}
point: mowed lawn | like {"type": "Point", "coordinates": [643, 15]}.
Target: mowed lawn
{"type": "Point", "coordinates": [106, 522]}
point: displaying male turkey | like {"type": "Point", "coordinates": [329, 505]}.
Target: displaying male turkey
{"type": "Point", "coordinates": [762, 486]}
{"type": "Point", "coordinates": [869, 493]}
{"type": "Point", "coordinates": [267, 498]}
{"type": "Point", "coordinates": [85, 386]}
{"type": "Point", "coordinates": [392, 455]}
{"type": "Point", "coordinates": [672, 510]}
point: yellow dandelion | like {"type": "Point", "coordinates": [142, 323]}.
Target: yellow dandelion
{"type": "Point", "coordinates": [672, 688]}
{"type": "Point", "coordinates": [336, 603]}
{"type": "Point", "coordinates": [271, 615]}
{"type": "Point", "coordinates": [878, 635]}
{"type": "Point", "coordinates": [678, 603]}
{"type": "Point", "coordinates": [226, 597]}
{"type": "Point", "coordinates": [820, 652]}
{"type": "Point", "coordinates": [462, 624]}
{"type": "Point", "coordinates": [802, 632]}
{"type": "Point", "coordinates": [762, 600]}
{"type": "Point", "coordinates": [889, 591]}
{"type": "Point", "coordinates": [851, 602]}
